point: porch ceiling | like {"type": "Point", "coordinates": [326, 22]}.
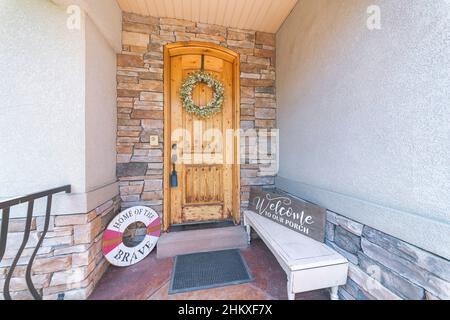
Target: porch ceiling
{"type": "Point", "coordinates": [257, 15]}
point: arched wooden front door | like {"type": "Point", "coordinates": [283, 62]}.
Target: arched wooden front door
{"type": "Point", "coordinates": [204, 152]}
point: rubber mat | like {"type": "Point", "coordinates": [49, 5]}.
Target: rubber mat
{"type": "Point", "coordinates": [208, 270]}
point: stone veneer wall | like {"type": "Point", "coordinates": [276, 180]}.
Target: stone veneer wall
{"type": "Point", "coordinates": [383, 267]}
{"type": "Point", "coordinates": [70, 261]}
{"type": "Point", "coordinates": [140, 99]}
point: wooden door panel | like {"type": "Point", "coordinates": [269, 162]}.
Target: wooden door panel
{"type": "Point", "coordinates": [206, 176]}
{"type": "Point", "coordinates": [176, 119]}
{"type": "Point", "coordinates": [202, 213]}
{"type": "Point", "coordinates": [227, 78]}
{"type": "Point", "coordinates": [204, 185]}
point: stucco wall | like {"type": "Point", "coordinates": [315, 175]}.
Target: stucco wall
{"type": "Point", "coordinates": [105, 14]}
{"type": "Point", "coordinates": [364, 115]}
{"type": "Point", "coordinates": [101, 111]}
{"type": "Point", "coordinates": [57, 104]}
{"type": "Point", "coordinates": [41, 99]}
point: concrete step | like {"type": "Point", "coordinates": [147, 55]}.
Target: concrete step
{"type": "Point", "coordinates": [196, 241]}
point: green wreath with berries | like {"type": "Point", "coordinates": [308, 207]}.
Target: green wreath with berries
{"type": "Point", "coordinates": [212, 107]}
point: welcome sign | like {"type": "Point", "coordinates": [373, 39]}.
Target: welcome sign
{"type": "Point", "coordinates": [299, 216]}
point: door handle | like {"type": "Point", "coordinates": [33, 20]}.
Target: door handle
{"type": "Point", "coordinates": [174, 175]}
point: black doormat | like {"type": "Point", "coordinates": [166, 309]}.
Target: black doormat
{"type": "Point", "coordinates": [202, 226]}
{"type": "Point", "coordinates": [208, 270]}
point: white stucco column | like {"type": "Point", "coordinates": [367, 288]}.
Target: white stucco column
{"type": "Point", "coordinates": [58, 101]}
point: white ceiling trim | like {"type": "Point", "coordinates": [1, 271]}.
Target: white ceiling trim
{"type": "Point", "coordinates": [257, 15]}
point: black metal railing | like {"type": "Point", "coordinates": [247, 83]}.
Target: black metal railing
{"type": "Point", "coordinates": [5, 208]}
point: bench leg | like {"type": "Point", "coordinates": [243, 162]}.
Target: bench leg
{"type": "Point", "coordinates": [334, 293]}
{"type": "Point", "coordinates": [290, 290]}
{"type": "Point", "coordinates": [291, 296]}
{"type": "Point", "coordinates": [249, 233]}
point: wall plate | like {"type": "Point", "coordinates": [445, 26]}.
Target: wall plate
{"type": "Point", "coordinates": [154, 141]}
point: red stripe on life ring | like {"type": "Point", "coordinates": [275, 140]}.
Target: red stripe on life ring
{"type": "Point", "coordinates": [154, 229]}
{"type": "Point", "coordinates": [111, 240]}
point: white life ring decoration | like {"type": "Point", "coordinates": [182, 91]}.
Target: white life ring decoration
{"type": "Point", "coordinates": [116, 251]}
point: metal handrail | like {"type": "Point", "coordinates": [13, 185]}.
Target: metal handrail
{"type": "Point", "coordinates": [24, 199]}
{"type": "Point", "coordinates": [5, 206]}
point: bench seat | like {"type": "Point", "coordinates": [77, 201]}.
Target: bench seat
{"type": "Point", "coordinates": [310, 265]}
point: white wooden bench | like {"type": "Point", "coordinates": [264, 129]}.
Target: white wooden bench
{"type": "Point", "coordinates": [310, 265]}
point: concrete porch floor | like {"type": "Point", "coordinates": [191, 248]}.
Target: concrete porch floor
{"type": "Point", "coordinates": [149, 280]}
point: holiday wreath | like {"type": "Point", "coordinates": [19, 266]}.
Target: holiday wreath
{"type": "Point", "coordinates": [212, 107]}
